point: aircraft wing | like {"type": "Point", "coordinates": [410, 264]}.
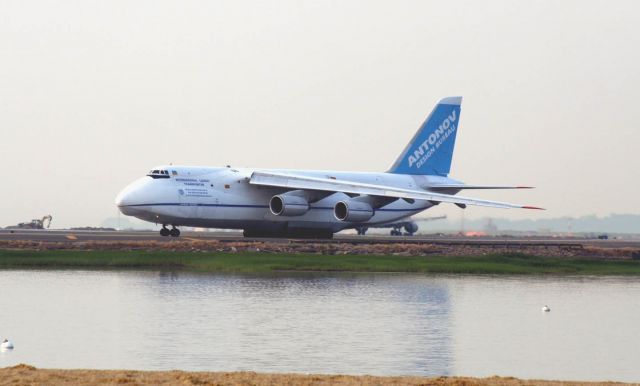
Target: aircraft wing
{"type": "Point", "coordinates": [295, 181]}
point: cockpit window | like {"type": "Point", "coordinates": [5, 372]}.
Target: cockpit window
{"type": "Point", "coordinates": [158, 173]}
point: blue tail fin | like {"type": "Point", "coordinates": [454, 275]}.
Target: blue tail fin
{"type": "Point", "coordinates": [431, 148]}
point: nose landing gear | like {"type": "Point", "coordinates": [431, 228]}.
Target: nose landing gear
{"type": "Point", "coordinates": [174, 232]}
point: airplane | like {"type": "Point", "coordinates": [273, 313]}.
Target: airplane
{"type": "Point", "coordinates": [410, 226]}
{"type": "Point", "coordinates": [308, 203]}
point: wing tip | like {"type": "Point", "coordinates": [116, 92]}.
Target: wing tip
{"type": "Point", "coordinates": [532, 207]}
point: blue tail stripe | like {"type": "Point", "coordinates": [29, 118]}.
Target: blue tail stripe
{"type": "Point", "coordinates": [431, 149]}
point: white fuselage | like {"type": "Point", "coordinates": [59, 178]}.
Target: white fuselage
{"type": "Point", "coordinates": [223, 198]}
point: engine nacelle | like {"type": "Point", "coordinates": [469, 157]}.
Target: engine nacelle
{"type": "Point", "coordinates": [288, 205]}
{"type": "Point", "coordinates": [352, 211]}
{"type": "Point", "coordinates": [411, 227]}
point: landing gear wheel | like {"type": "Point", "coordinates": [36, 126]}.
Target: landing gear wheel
{"type": "Point", "coordinates": [174, 232]}
{"type": "Point", "coordinates": [164, 232]}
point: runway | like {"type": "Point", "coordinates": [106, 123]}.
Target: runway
{"type": "Point", "coordinates": [73, 236]}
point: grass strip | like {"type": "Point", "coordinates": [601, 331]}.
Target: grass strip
{"type": "Point", "coordinates": [255, 262]}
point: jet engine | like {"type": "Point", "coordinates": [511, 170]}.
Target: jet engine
{"type": "Point", "coordinates": [411, 227]}
{"type": "Point", "coordinates": [352, 211]}
{"type": "Point", "coordinates": [288, 205]}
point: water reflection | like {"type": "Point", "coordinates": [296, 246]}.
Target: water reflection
{"type": "Point", "coordinates": [324, 323]}
{"type": "Point", "coordinates": [343, 323]}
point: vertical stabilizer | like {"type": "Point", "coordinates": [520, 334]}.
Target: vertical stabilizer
{"type": "Point", "coordinates": [431, 148]}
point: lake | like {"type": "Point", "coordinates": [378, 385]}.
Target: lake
{"type": "Point", "coordinates": [381, 324]}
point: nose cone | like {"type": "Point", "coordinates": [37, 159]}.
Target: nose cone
{"type": "Point", "coordinates": [124, 201]}
{"type": "Point", "coordinates": [131, 197]}
{"type": "Point", "coordinates": [124, 198]}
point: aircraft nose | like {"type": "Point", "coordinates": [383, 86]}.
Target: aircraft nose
{"type": "Point", "coordinates": [128, 198]}
{"type": "Point", "coordinates": [123, 198]}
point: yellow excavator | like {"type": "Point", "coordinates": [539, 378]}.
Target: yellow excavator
{"type": "Point", "coordinates": [36, 223]}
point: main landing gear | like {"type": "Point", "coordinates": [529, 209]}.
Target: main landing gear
{"type": "Point", "coordinates": [174, 232]}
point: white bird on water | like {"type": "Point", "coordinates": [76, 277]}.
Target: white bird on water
{"type": "Point", "coordinates": [6, 344]}
{"type": "Point", "coordinates": [546, 309]}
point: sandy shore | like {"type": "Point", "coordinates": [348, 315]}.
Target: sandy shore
{"type": "Point", "coordinates": [29, 375]}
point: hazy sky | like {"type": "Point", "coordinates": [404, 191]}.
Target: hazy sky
{"type": "Point", "coordinates": [95, 93]}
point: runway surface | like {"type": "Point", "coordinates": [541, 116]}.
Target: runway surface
{"type": "Point", "coordinates": [49, 235]}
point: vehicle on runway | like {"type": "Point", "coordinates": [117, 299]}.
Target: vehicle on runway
{"type": "Point", "coordinates": [36, 223]}
{"type": "Point", "coordinates": [302, 203]}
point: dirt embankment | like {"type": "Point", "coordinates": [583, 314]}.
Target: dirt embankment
{"type": "Point", "coordinates": [29, 375]}
{"type": "Point", "coordinates": [333, 248]}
